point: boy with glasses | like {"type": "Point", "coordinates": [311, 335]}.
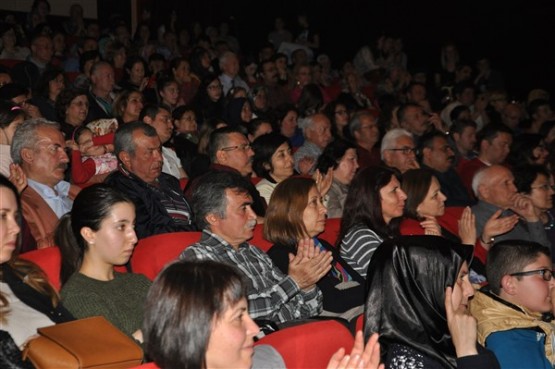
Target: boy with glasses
{"type": "Point", "coordinates": [511, 310]}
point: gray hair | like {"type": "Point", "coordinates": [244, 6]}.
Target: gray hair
{"type": "Point", "coordinates": [478, 180]}
{"type": "Point", "coordinates": [354, 124]}
{"type": "Point", "coordinates": [305, 123]}
{"type": "Point", "coordinates": [389, 139]}
{"type": "Point", "coordinates": [123, 140]}
{"type": "Point", "coordinates": [209, 196]}
{"type": "Point", "coordinates": [25, 136]}
{"type": "Point", "coordinates": [225, 57]}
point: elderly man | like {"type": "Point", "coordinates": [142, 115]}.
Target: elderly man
{"type": "Point", "coordinates": [159, 203]}
{"type": "Point", "coordinates": [38, 147]}
{"type": "Point", "coordinates": [159, 117]}
{"type": "Point", "coordinates": [398, 150]}
{"type": "Point", "coordinates": [414, 119]}
{"type": "Point", "coordinates": [230, 78]}
{"type": "Point", "coordinates": [317, 133]}
{"type": "Point", "coordinates": [436, 154]}
{"type": "Point", "coordinates": [222, 205]}
{"type": "Point", "coordinates": [101, 95]}
{"type": "Point", "coordinates": [364, 128]}
{"type": "Point", "coordinates": [230, 151]}
{"type": "Point", "coordinates": [498, 199]}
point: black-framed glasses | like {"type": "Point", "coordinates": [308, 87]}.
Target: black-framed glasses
{"type": "Point", "coordinates": [546, 274]}
{"type": "Point", "coordinates": [243, 147]}
{"type": "Point", "coordinates": [405, 150]}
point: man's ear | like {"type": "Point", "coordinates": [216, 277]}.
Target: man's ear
{"type": "Point", "coordinates": [508, 285]}
{"type": "Point", "coordinates": [387, 156]}
{"type": "Point", "coordinates": [147, 120]}
{"type": "Point", "coordinates": [221, 156]}
{"type": "Point", "coordinates": [125, 158]}
{"type": "Point", "coordinates": [27, 155]}
{"type": "Point", "coordinates": [483, 191]}
{"type": "Point", "coordinates": [212, 219]}
{"type": "Point", "coordinates": [426, 152]}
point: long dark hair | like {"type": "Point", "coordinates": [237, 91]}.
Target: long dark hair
{"type": "Point", "coordinates": [363, 203]}
{"type": "Point", "coordinates": [181, 307]}
{"type": "Point", "coordinates": [91, 206]}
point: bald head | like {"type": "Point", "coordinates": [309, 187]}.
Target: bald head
{"type": "Point", "coordinates": [495, 185]}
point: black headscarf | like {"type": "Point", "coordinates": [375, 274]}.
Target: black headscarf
{"type": "Point", "coordinates": [406, 283]}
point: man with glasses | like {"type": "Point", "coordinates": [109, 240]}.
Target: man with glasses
{"type": "Point", "coordinates": [38, 147]}
{"type": "Point", "coordinates": [398, 150]}
{"type": "Point", "coordinates": [159, 203]}
{"type": "Point", "coordinates": [229, 150]}
{"type": "Point", "coordinates": [510, 310]}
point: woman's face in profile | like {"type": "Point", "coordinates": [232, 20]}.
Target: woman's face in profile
{"type": "Point", "coordinates": [314, 215]}
{"type": "Point", "coordinates": [231, 343]}
{"type": "Point", "coordinates": [392, 200]}
{"type": "Point", "coordinates": [433, 204]}
{"type": "Point", "coordinates": [9, 227]}
{"type": "Point", "coordinates": [462, 290]}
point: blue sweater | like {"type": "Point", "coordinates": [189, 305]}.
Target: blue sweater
{"type": "Point", "coordinates": [519, 349]}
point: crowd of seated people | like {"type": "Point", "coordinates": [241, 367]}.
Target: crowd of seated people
{"type": "Point", "coordinates": [108, 139]}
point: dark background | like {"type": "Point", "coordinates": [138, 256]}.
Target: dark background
{"type": "Point", "coordinates": [516, 35]}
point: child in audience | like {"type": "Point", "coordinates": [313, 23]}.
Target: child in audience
{"type": "Point", "coordinates": [89, 162]}
{"type": "Point", "coordinates": [510, 309]}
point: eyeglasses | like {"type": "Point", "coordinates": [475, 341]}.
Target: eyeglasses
{"type": "Point", "coordinates": [546, 274]}
{"type": "Point", "coordinates": [243, 147]}
{"type": "Point", "coordinates": [405, 150]}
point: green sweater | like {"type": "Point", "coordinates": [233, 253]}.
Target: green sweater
{"type": "Point", "coordinates": [121, 300]}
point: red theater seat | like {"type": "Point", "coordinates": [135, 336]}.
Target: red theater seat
{"type": "Point", "coordinates": [309, 345]}
{"type": "Point", "coordinates": [331, 232]}
{"type": "Point", "coordinates": [258, 239]}
{"type": "Point", "coordinates": [152, 253]}
{"type": "Point", "coordinates": [49, 260]}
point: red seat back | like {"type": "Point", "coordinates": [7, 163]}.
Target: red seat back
{"type": "Point", "coordinates": [146, 366]}
{"type": "Point", "coordinates": [49, 260]}
{"type": "Point", "coordinates": [255, 180]}
{"type": "Point", "coordinates": [309, 345]}
{"type": "Point", "coordinates": [331, 232]}
{"type": "Point", "coordinates": [183, 183]}
{"type": "Point", "coordinates": [258, 239]}
{"type": "Point", "coordinates": [152, 253]}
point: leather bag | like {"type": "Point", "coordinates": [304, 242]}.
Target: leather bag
{"type": "Point", "coordinates": [83, 344]}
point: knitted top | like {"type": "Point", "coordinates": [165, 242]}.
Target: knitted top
{"type": "Point", "coordinates": [120, 301]}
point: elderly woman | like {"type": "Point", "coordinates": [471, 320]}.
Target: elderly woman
{"type": "Point", "coordinates": [340, 157]}
{"type": "Point", "coordinates": [374, 199]}
{"type": "Point", "coordinates": [295, 217]}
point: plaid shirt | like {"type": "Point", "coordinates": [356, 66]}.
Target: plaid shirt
{"type": "Point", "coordinates": [272, 295]}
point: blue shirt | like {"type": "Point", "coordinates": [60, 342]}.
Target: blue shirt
{"type": "Point", "coordinates": [58, 198]}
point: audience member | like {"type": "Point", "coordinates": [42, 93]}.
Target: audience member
{"type": "Point", "coordinates": [374, 199]}
{"type": "Point", "coordinates": [398, 150]}
{"type": "Point", "coordinates": [509, 308]}
{"type": "Point", "coordinates": [101, 94]}
{"type": "Point", "coordinates": [418, 295]}
{"type": "Point", "coordinates": [339, 157]}
{"type": "Point", "coordinates": [229, 77]}
{"type": "Point", "coordinates": [296, 216]}
{"type": "Point", "coordinates": [159, 203]}
{"type": "Point", "coordinates": [497, 195]}
{"type": "Point", "coordinates": [38, 147]}
{"type": "Point", "coordinates": [222, 207]}
{"type": "Point", "coordinates": [317, 133]}
{"type": "Point", "coordinates": [462, 137]}
{"type": "Point", "coordinates": [92, 240]}
{"type": "Point", "coordinates": [72, 107]}
{"type": "Point", "coordinates": [11, 116]}
{"type": "Point", "coordinates": [27, 300]}
{"type": "Point", "coordinates": [364, 130]}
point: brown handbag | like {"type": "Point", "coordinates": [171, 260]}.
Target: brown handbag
{"type": "Point", "coordinates": [82, 344]}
